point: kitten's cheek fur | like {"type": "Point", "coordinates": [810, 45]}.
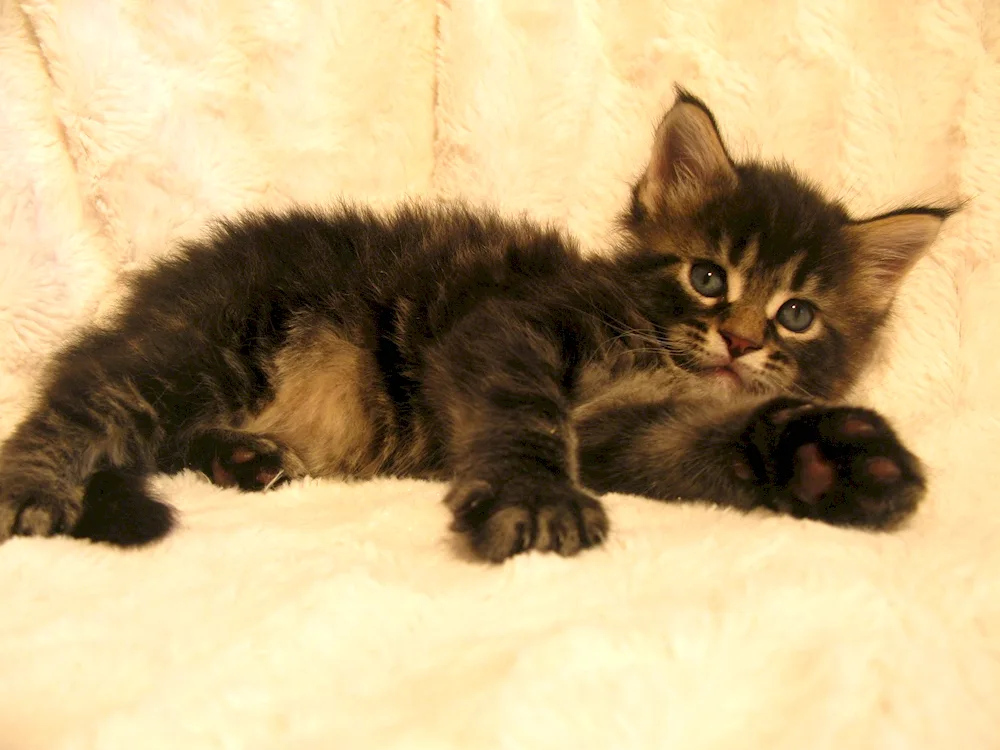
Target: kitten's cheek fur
{"type": "Point", "coordinates": [500, 520]}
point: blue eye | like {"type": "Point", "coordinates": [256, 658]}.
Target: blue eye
{"type": "Point", "coordinates": [796, 315]}
{"type": "Point", "coordinates": [708, 279]}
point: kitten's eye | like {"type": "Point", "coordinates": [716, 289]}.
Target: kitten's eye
{"type": "Point", "coordinates": [708, 279]}
{"type": "Point", "coordinates": [796, 315]}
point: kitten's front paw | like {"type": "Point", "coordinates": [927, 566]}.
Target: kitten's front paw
{"type": "Point", "coordinates": [503, 519]}
{"type": "Point", "coordinates": [253, 463]}
{"type": "Point", "coordinates": [842, 465]}
{"type": "Point", "coordinates": [35, 511]}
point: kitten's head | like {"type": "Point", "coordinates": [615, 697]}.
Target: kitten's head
{"type": "Point", "coordinates": [754, 280]}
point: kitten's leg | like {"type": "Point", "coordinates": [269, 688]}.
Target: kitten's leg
{"type": "Point", "coordinates": [110, 402]}
{"type": "Point", "coordinates": [89, 420]}
{"type": "Point", "coordinates": [234, 458]}
{"type": "Point", "coordinates": [497, 383]}
{"type": "Point", "coordinates": [838, 464]}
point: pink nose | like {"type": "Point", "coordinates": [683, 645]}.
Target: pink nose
{"type": "Point", "coordinates": [737, 345]}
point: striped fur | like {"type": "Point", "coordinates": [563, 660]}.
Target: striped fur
{"type": "Point", "coordinates": [447, 343]}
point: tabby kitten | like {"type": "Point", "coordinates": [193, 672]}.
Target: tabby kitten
{"type": "Point", "coordinates": [700, 362]}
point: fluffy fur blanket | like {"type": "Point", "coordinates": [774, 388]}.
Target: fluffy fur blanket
{"type": "Point", "coordinates": [327, 614]}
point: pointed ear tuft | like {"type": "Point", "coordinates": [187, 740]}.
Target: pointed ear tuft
{"type": "Point", "coordinates": [689, 161]}
{"type": "Point", "coordinates": [886, 248]}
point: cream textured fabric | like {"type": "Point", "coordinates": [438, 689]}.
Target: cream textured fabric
{"type": "Point", "coordinates": [327, 614]}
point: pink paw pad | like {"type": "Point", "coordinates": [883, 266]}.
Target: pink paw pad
{"type": "Point", "coordinates": [883, 469]}
{"type": "Point", "coordinates": [242, 456]}
{"type": "Point", "coordinates": [220, 476]}
{"type": "Point", "coordinates": [857, 427]}
{"type": "Point", "coordinates": [267, 476]}
{"type": "Point", "coordinates": [814, 476]}
{"type": "Point", "coordinates": [783, 416]}
{"type": "Point", "coordinates": [742, 471]}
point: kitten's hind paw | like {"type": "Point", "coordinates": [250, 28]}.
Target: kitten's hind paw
{"type": "Point", "coordinates": [503, 519]}
{"type": "Point", "coordinates": [841, 465]}
{"type": "Point", "coordinates": [115, 508]}
{"type": "Point", "coordinates": [118, 509]}
{"type": "Point", "coordinates": [254, 463]}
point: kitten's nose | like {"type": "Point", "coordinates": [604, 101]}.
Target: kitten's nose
{"type": "Point", "coordinates": [737, 345]}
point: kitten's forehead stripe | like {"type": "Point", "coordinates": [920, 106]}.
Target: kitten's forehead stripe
{"type": "Point", "coordinates": [737, 248]}
{"type": "Point", "coordinates": [775, 303]}
{"type": "Point", "coordinates": [801, 272]}
{"type": "Point", "coordinates": [750, 255]}
{"type": "Point", "coordinates": [655, 261]}
{"type": "Point", "coordinates": [810, 289]}
{"type": "Point", "coordinates": [779, 214]}
{"type": "Point", "coordinates": [735, 285]}
{"type": "Point", "coordinates": [726, 248]}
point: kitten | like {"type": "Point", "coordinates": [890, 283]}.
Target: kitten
{"type": "Point", "coordinates": [700, 362]}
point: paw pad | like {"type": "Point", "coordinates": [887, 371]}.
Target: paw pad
{"type": "Point", "coordinates": [742, 470]}
{"type": "Point", "coordinates": [814, 476]}
{"type": "Point", "coordinates": [251, 462]}
{"type": "Point", "coordinates": [857, 427]}
{"type": "Point", "coordinates": [242, 456]}
{"type": "Point", "coordinates": [220, 476]}
{"type": "Point", "coordinates": [883, 469]}
{"type": "Point", "coordinates": [843, 465]}
{"type": "Point", "coordinates": [784, 416]}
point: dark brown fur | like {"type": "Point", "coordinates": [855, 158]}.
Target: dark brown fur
{"type": "Point", "coordinates": [452, 344]}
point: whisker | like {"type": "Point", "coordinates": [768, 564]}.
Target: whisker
{"type": "Point", "coordinates": [279, 475]}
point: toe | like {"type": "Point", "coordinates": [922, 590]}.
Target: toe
{"type": "Point", "coordinates": [595, 525]}
{"type": "Point", "coordinates": [506, 533]}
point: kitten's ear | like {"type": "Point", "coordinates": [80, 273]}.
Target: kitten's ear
{"type": "Point", "coordinates": [689, 161]}
{"type": "Point", "coordinates": [886, 247]}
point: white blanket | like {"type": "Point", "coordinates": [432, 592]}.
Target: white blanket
{"type": "Point", "coordinates": [334, 615]}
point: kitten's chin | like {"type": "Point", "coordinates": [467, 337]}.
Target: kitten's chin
{"type": "Point", "coordinates": [733, 378]}
{"type": "Point", "coordinates": [718, 382]}
{"type": "Point", "coordinates": [725, 377]}
{"type": "Point", "coordinates": [733, 381]}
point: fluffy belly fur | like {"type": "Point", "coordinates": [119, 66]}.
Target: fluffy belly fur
{"type": "Point", "coordinates": [325, 404]}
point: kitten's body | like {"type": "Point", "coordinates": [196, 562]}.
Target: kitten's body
{"type": "Point", "coordinates": [451, 344]}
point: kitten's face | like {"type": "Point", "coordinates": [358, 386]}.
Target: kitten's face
{"type": "Point", "coordinates": [758, 291]}
{"type": "Point", "coordinates": [754, 280]}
